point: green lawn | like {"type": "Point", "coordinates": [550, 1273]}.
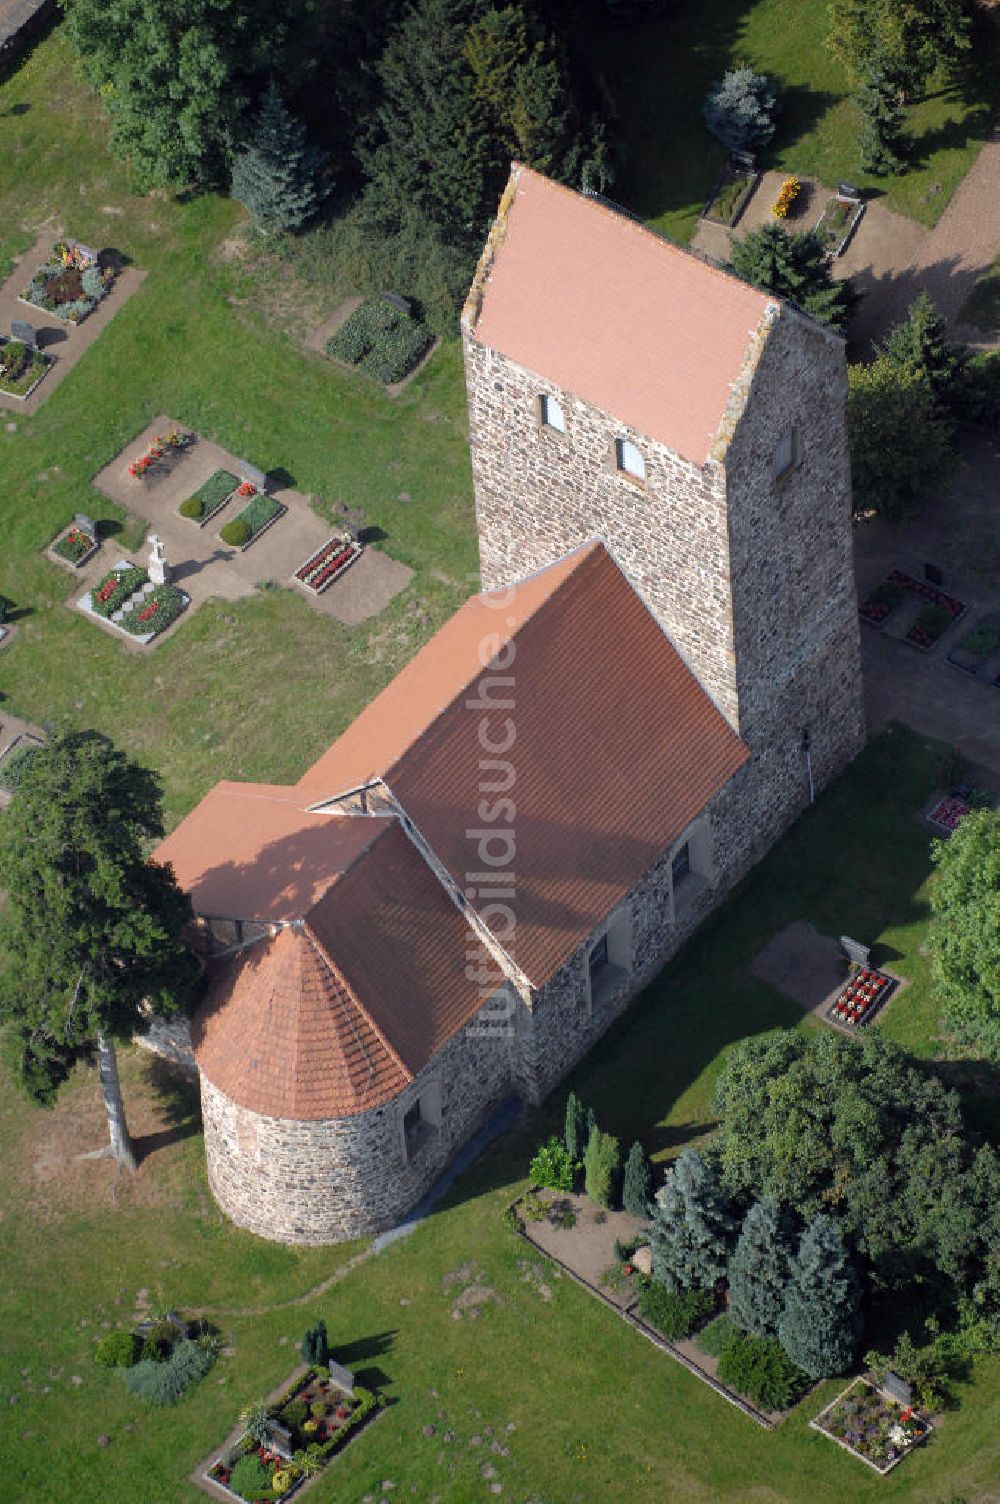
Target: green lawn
{"type": "Point", "coordinates": [256, 689]}
{"type": "Point", "coordinates": [659, 70]}
{"type": "Point", "coordinates": [597, 1412]}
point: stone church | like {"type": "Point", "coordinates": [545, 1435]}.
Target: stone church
{"type": "Point", "coordinates": [458, 898]}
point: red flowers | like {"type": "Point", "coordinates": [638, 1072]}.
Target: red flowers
{"type": "Point", "coordinates": [318, 571]}
{"type": "Point", "coordinates": [247, 489]}
{"type": "Point", "coordinates": [862, 995]}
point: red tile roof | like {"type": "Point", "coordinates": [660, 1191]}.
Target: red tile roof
{"type": "Point", "coordinates": [603, 307]}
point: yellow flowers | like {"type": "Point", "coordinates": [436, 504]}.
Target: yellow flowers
{"type": "Point", "coordinates": [789, 193]}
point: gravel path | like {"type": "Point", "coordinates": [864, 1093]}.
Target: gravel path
{"type": "Point", "coordinates": [962, 245]}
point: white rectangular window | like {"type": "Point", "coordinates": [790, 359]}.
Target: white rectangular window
{"type": "Point", "coordinates": [551, 413]}
{"type": "Point", "coordinates": [786, 453]}
{"type": "Point", "coordinates": [629, 459]}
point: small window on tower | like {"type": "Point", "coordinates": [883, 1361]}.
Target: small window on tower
{"type": "Point", "coordinates": [786, 454]}
{"type": "Point", "coordinates": [629, 459]}
{"type": "Point", "coordinates": [551, 414]}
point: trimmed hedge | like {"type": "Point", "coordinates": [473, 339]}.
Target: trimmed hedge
{"type": "Point", "coordinates": [129, 581]}
{"type": "Point", "coordinates": [170, 603]}
{"type": "Point", "coordinates": [380, 340]}
{"type": "Point", "coordinates": [674, 1313]}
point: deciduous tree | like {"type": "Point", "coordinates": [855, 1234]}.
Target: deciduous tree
{"type": "Point", "coordinates": [915, 37]}
{"type": "Point", "coordinates": [965, 933]}
{"type": "Point", "coordinates": [92, 928]}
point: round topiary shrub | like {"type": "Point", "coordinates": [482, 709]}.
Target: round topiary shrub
{"type": "Point", "coordinates": [118, 1350]}
{"type": "Point", "coordinates": [235, 533]}
{"type": "Point", "coordinates": [193, 507]}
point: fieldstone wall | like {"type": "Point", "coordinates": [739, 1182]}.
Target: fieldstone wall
{"type": "Point", "coordinates": [540, 493]}
{"type": "Point", "coordinates": [337, 1178]}
{"type": "Point", "coordinates": [169, 1038]}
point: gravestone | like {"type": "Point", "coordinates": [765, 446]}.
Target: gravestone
{"type": "Point", "coordinates": [933, 575]}
{"type": "Point", "coordinates": [855, 952]}
{"type": "Point", "coordinates": [250, 472]}
{"type": "Point", "coordinates": [342, 1376]}
{"type": "Point", "coordinates": [24, 332]}
{"type": "Point", "coordinates": [403, 304]}
{"type": "Point", "coordinates": [849, 191]}
{"type": "Point", "coordinates": [158, 568]}
{"type": "Point", "coordinates": [897, 1388]}
{"type": "Point", "coordinates": [281, 1437]}
{"type": "Point", "coordinates": [742, 161]}
{"type": "Point", "coordinates": [85, 524]}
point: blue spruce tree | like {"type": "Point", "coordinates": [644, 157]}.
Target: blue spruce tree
{"type": "Point", "coordinates": [820, 1324]}
{"type": "Point", "coordinates": [691, 1227]}
{"type": "Point", "coordinates": [758, 1270]}
{"type": "Point", "coordinates": [276, 175]}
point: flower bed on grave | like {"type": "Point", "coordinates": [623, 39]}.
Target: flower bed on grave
{"type": "Point", "coordinates": [210, 497]}
{"type": "Point", "coordinates": [861, 999]}
{"type": "Point", "coordinates": [161, 607]}
{"type": "Point", "coordinates": [871, 1426]}
{"type": "Point", "coordinates": [71, 284]}
{"type": "Point", "coordinates": [940, 609]}
{"type": "Point", "coordinates": [116, 587]}
{"type": "Point", "coordinates": [324, 566]}
{"type": "Point", "coordinates": [949, 812]}
{"type": "Point", "coordinates": [254, 519]}
{"type": "Point", "coordinates": [156, 449]}
{"type": "Point", "coordinates": [319, 1418]}
{"type": "Point", "coordinates": [836, 223]}
{"type": "Point", "coordinates": [21, 368]}
{"type": "Point", "coordinates": [973, 651]}
{"type": "Point", "coordinates": [74, 544]}
{"type": "Point", "coordinates": [787, 194]}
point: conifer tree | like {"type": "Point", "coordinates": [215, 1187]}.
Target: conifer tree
{"type": "Point", "coordinates": [92, 928]}
{"type": "Point", "coordinates": [276, 175]}
{"type": "Point", "coordinates": [741, 110]}
{"type": "Point", "coordinates": [758, 1270]}
{"type": "Point", "coordinates": [637, 1186]}
{"type": "Point", "coordinates": [882, 142]}
{"type": "Point", "coordinates": [921, 344]}
{"type": "Point", "coordinates": [691, 1226]}
{"type": "Point", "coordinates": [793, 266]}
{"type": "Point", "coordinates": [820, 1322]}
{"type": "Point", "coordinates": [576, 1127]}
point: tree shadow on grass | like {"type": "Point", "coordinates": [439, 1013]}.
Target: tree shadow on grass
{"type": "Point", "coordinates": [178, 1099]}
{"type": "Point", "coordinates": [352, 1354]}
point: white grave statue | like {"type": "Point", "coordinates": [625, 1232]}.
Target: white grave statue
{"type": "Point", "coordinates": [159, 569]}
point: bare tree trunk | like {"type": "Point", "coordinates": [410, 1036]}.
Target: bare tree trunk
{"type": "Point", "coordinates": [120, 1146]}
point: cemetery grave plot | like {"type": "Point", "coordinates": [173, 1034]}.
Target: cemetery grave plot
{"type": "Point", "coordinates": [938, 612]}
{"type": "Point", "coordinates": [839, 219]}
{"type": "Point", "coordinates": [327, 564]}
{"type": "Point", "coordinates": [164, 447]}
{"type": "Point", "coordinates": [71, 283]}
{"type": "Point", "coordinates": [730, 195]}
{"type": "Point", "coordinates": [978, 652]}
{"type": "Point", "coordinates": [128, 600]}
{"type": "Point", "coordinates": [382, 338]}
{"type": "Point", "coordinates": [866, 991]}
{"type": "Point", "coordinates": [947, 813]}
{"type": "Point", "coordinates": [307, 1425]}
{"type": "Point", "coordinates": [22, 364]}
{"type": "Point", "coordinates": [76, 543]}
{"type": "Point", "coordinates": [260, 513]}
{"type": "Point", "coordinates": [210, 497]}
{"type": "Point", "coordinates": [873, 1426]}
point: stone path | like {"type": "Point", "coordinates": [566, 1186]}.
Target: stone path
{"type": "Point", "coordinates": [55, 337]}
{"type": "Point", "coordinates": [204, 566]}
{"type": "Point", "coordinates": [961, 246]}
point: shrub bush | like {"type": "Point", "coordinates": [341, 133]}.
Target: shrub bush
{"type": "Point", "coordinates": [13, 768]}
{"type": "Point", "coordinates": [118, 1350]}
{"type": "Point", "coordinates": [675, 1313]}
{"type": "Point", "coordinates": [93, 283]}
{"type": "Point", "coordinates": [600, 1167]}
{"type": "Point", "coordinates": [159, 1342]}
{"type": "Point", "coordinates": [760, 1368]}
{"type": "Point", "coordinates": [716, 1336]}
{"type": "Point", "coordinates": [294, 1413]}
{"type": "Point", "coordinates": [250, 1478]}
{"type": "Point", "coordinates": [235, 533]}
{"type": "Point", "coordinates": [13, 358]}
{"type": "Point", "coordinates": [193, 507]}
{"type": "Point", "coordinates": [552, 1167]}
{"type": "Point", "coordinates": [164, 1383]}
{"type": "Point", "coordinates": [315, 1346]}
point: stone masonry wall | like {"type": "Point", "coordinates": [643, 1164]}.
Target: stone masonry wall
{"type": "Point", "coordinates": [540, 493]}
{"type": "Point", "coordinates": [337, 1178]}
